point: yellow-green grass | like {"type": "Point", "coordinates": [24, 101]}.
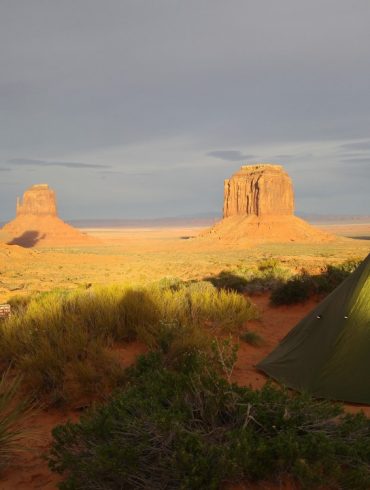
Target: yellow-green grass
{"type": "Point", "coordinates": [60, 340]}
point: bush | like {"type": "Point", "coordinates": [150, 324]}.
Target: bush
{"type": "Point", "coordinates": [268, 274]}
{"type": "Point", "coordinates": [303, 286]}
{"type": "Point", "coordinates": [230, 281]}
{"type": "Point", "coordinates": [191, 429]}
{"type": "Point", "coordinates": [60, 340]}
{"type": "Point", "coordinates": [333, 275]}
{"type": "Point", "coordinates": [173, 283]}
{"type": "Point", "coordinates": [252, 338]}
{"type": "Point", "coordinates": [296, 290]}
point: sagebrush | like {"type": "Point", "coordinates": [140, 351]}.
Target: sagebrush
{"type": "Point", "coordinates": [190, 428]}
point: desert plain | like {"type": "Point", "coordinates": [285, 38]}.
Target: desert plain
{"type": "Point", "coordinates": [142, 255]}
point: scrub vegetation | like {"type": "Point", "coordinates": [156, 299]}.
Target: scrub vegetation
{"type": "Point", "coordinates": [62, 341]}
{"type": "Point", "coordinates": [173, 420]}
{"type": "Point", "coordinates": [189, 428]}
{"type": "Point", "coordinates": [304, 285]}
{"type": "Point", "coordinates": [285, 286]}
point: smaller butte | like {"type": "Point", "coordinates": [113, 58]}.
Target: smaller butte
{"type": "Point", "coordinates": [259, 207]}
{"type": "Point", "coordinates": [37, 222]}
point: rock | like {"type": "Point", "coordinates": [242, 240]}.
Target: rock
{"type": "Point", "coordinates": [39, 200]}
{"type": "Point", "coordinates": [37, 222]}
{"type": "Point", "coordinates": [259, 190]}
{"type": "Point", "coordinates": [259, 207]}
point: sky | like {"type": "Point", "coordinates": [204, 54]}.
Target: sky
{"type": "Point", "coordinates": [141, 108]}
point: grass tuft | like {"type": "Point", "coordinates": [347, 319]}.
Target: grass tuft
{"type": "Point", "coordinates": [14, 414]}
{"type": "Point", "coordinates": [60, 341]}
{"type": "Point", "coordinates": [252, 338]}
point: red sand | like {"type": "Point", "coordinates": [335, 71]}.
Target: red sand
{"type": "Point", "coordinates": [265, 229]}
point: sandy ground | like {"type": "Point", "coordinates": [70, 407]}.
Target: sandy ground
{"type": "Point", "coordinates": [30, 471]}
{"type": "Point", "coordinates": [353, 230]}
{"type": "Point", "coordinates": [143, 255]}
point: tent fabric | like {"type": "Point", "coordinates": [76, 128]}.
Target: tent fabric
{"type": "Point", "coordinates": [328, 353]}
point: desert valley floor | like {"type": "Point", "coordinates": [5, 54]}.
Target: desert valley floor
{"type": "Point", "coordinates": [143, 255]}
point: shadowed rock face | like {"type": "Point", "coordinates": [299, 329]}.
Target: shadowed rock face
{"type": "Point", "coordinates": [39, 200]}
{"type": "Point", "coordinates": [259, 190]}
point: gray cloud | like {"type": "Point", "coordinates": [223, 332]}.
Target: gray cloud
{"type": "Point", "coordinates": [45, 163]}
{"type": "Point", "coordinates": [126, 174]}
{"type": "Point", "coordinates": [357, 145]}
{"type": "Point", "coordinates": [230, 155]}
{"type": "Point", "coordinates": [284, 157]}
{"type": "Point", "coordinates": [357, 161]}
{"type": "Point", "coordinates": [153, 87]}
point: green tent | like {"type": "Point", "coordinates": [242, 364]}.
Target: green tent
{"type": "Point", "coordinates": [328, 353]}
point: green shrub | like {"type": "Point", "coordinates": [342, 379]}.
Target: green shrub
{"type": "Point", "coordinates": [296, 290]}
{"type": "Point", "coordinates": [230, 281]}
{"type": "Point", "coordinates": [173, 283]}
{"type": "Point", "coordinates": [267, 275]}
{"type": "Point", "coordinates": [252, 338]}
{"type": "Point", "coordinates": [301, 287]}
{"type": "Point", "coordinates": [333, 275]}
{"type": "Point", "coordinates": [192, 429]}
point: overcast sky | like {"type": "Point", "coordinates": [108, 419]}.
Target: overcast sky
{"type": "Point", "coordinates": [141, 108]}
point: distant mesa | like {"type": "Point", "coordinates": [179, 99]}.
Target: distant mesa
{"type": "Point", "coordinates": [38, 200]}
{"type": "Point", "coordinates": [37, 222]}
{"type": "Point", "coordinates": [259, 207]}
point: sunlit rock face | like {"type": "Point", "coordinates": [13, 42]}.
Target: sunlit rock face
{"type": "Point", "coordinates": [258, 190]}
{"type": "Point", "coordinates": [38, 200]}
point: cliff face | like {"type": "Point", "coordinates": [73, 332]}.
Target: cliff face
{"type": "Point", "coordinates": [39, 200]}
{"type": "Point", "coordinates": [258, 190]}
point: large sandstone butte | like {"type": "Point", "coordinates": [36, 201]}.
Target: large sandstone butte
{"type": "Point", "coordinates": [259, 190]}
{"type": "Point", "coordinates": [37, 222]}
{"type": "Point", "coordinates": [259, 207]}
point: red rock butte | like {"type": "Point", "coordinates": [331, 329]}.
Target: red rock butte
{"type": "Point", "coordinates": [37, 222]}
{"type": "Point", "coordinates": [259, 207]}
